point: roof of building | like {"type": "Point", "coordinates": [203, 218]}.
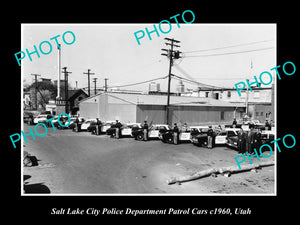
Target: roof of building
{"type": "Point", "coordinates": [73, 93]}
{"type": "Point", "coordinates": [145, 99]}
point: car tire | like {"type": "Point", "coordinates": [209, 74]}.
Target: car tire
{"type": "Point", "coordinates": [170, 140]}
{"type": "Point", "coordinates": [140, 137]}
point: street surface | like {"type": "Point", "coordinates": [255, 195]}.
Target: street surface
{"type": "Point", "coordinates": [81, 163]}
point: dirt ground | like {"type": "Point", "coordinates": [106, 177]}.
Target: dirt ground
{"type": "Point", "coordinates": [81, 163]}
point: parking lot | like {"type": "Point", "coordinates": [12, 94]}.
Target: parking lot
{"type": "Point", "coordinates": [81, 163]}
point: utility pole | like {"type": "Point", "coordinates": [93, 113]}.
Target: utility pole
{"type": "Point", "coordinates": [105, 84]}
{"type": "Point", "coordinates": [89, 73]}
{"type": "Point", "coordinates": [247, 91]}
{"type": "Point", "coordinates": [58, 97]}
{"type": "Point", "coordinates": [36, 100]}
{"type": "Point", "coordinates": [95, 80]}
{"type": "Point", "coordinates": [66, 89]}
{"type": "Point", "coordinates": [171, 54]}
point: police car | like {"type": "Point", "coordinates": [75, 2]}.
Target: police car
{"type": "Point", "coordinates": [86, 124]}
{"type": "Point", "coordinates": [155, 131]}
{"type": "Point", "coordinates": [222, 136]}
{"type": "Point", "coordinates": [183, 137]}
{"type": "Point", "coordinates": [41, 118]}
{"type": "Point", "coordinates": [126, 129]}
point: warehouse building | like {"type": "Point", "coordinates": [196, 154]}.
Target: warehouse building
{"type": "Point", "coordinates": [139, 107]}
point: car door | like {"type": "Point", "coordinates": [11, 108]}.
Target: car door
{"type": "Point", "coordinates": [126, 131]}
{"type": "Point", "coordinates": [185, 136]}
{"type": "Point", "coordinates": [153, 132]}
{"type": "Point", "coordinates": [221, 137]}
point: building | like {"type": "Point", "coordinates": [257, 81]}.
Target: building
{"type": "Point", "coordinates": [59, 106]}
{"type": "Point", "coordinates": [259, 102]}
{"type": "Point", "coordinates": [180, 87]}
{"type": "Point", "coordinates": [139, 107]}
{"type": "Point", "coordinates": [154, 87]}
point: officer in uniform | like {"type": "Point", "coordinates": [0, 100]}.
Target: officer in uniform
{"type": "Point", "coordinates": [257, 140]}
{"type": "Point", "coordinates": [241, 143]}
{"type": "Point", "coordinates": [118, 128]}
{"type": "Point", "coordinates": [250, 139]}
{"type": "Point", "coordinates": [77, 124]}
{"type": "Point", "coordinates": [145, 130]}
{"type": "Point", "coordinates": [267, 125]}
{"type": "Point", "coordinates": [210, 134]}
{"type": "Point", "coordinates": [234, 123]}
{"type": "Point", "coordinates": [185, 127]}
{"type": "Point", "coordinates": [175, 134]}
{"type": "Point", "coordinates": [98, 126]}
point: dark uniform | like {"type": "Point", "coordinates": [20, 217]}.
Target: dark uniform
{"type": "Point", "coordinates": [77, 129]}
{"type": "Point", "coordinates": [241, 143]}
{"type": "Point", "coordinates": [210, 134]}
{"type": "Point", "coordinates": [98, 126]}
{"type": "Point", "coordinates": [267, 125]}
{"type": "Point", "coordinates": [234, 123]}
{"type": "Point", "coordinates": [118, 126]}
{"type": "Point", "coordinates": [257, 140]}
{"type": "Point", "coordinates": [175, 134]}
{"type": "Point", "coordinates": [145, 130]}
{"type": "Point", "coordinates": [250, 140]}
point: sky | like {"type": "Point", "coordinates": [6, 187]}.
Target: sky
{"type": "Point", "coordinates": [214, 54]}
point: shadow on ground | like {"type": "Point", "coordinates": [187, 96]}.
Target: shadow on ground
{"type": "Point", "coordinates": [38, 188]}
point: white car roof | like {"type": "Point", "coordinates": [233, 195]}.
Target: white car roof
{"type": "Point", "coordinates": [42, 115]}
{"type": "Point", "coordinates": [160, 125]}
{"type": "Point", "coordinates": [233, 129]}
{"type": "Point", "coordinates": [199, 127]}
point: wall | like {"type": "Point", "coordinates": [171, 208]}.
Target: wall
{"type": "Point", "coordinates": [88, 110]}
{"type": "Point", "coordinates": [201, 115]}
{"type": "Point", "coordinates": [259, 111]}
{"type": "Point", "coordinates": [112, 108]}
{"type": "Point", "coordinates": [193, 115]}
{"type": "Point", "coordinates": [155, 113]}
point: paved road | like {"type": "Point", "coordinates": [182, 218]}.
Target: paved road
{"type": "Point", "coordinates": [80, 163]}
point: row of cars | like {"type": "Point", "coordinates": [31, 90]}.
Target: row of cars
{"type": "Point", "coordinates": [193, 134]}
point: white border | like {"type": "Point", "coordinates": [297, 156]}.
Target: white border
{"type": "Point", "coordinates": [158, 194]}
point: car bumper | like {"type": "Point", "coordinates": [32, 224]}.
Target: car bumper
{"type": "Point", "coordinates": [232, 145]}
{"type": "Point", "coordinates": [194, 141]}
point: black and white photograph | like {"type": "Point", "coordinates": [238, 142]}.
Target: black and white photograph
{"type": "Point", "coordinates": [149, 112]}
{"type": "Point", "coordinates": [143, 109]}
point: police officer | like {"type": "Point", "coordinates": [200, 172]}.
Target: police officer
{"type": "Point", "coordinates": [241, 143]}
{"type": "Point", "coordinates": [257, 140]}
{"type": "Point", "coordinates": [250, 139]}
{"type": "Point", "coordinates": [118, 128]}
{"type": "Point", "coordinates": [175, 134]}
{"type": "Point", "coordinates": [76, 124]}
{"type": "Point", "coordinates": [98, 126]}
{"type": "Point", "coordinates": [267, 125]}
{"type": "Point", "coordinates": [210, 134]}
{"type": "Point", "coordinates": [145, 130]}
{"type": "Point", "coordinates": [234, 123]}
{"type": "Point", "coordinates": [185, 127]}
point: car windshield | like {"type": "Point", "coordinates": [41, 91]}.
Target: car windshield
{"type": "Point", "coordinates": [222, 133]}
{"type": "Point", "coordinates": [231, 133]}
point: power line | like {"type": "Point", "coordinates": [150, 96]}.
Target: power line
{"type": "Point", "coordinates": [230, 53]}
{"type": "Point", "coordinates": [143, 82]}
{"type": "Point", "coordinates": [230, 46]}
{"type": "Point", "coordinates": [198, 83]}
